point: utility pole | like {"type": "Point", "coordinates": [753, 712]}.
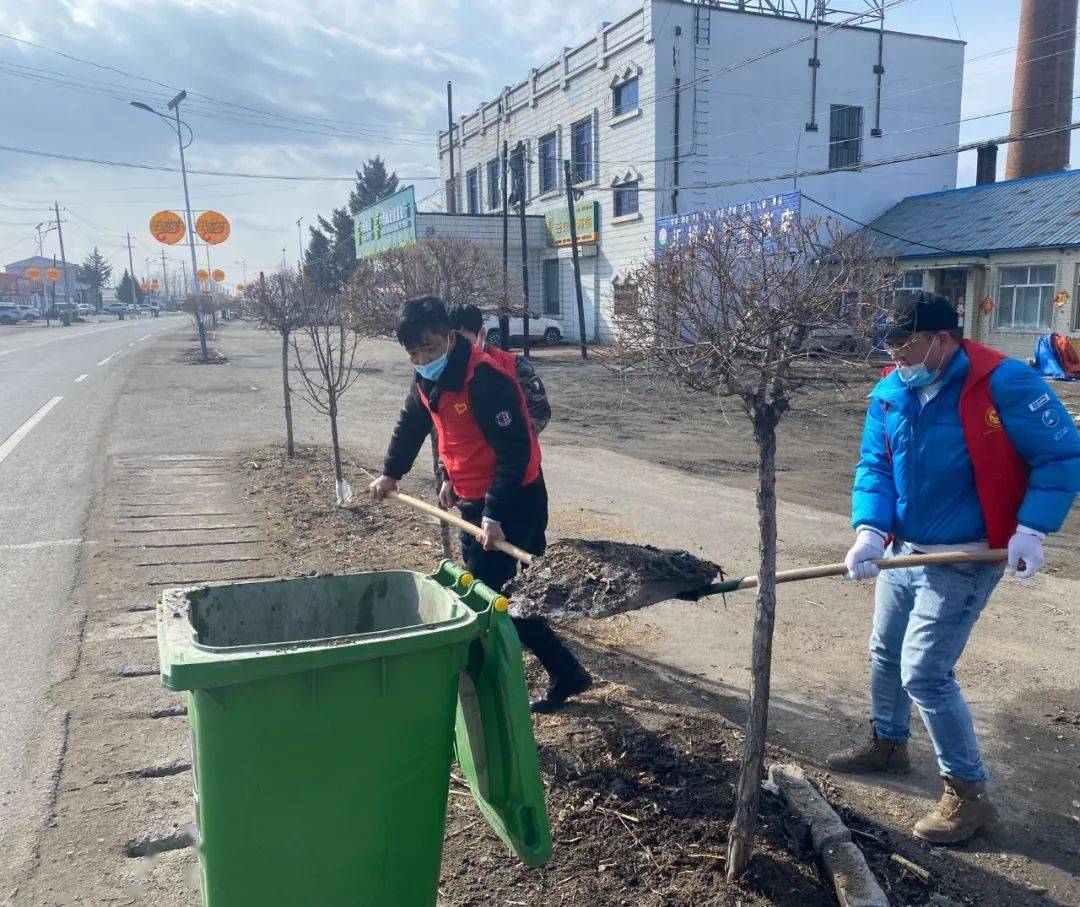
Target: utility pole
{"type": "Point", "coordinates": [504, 312]}
{"type": "Point", "coordinates": [519, 192]}
{"type": "Point", "coordinates": [299, 247]}
{"type": "Point", "coordinates": [131, 271]}
{"type": "Point", "coordinates": [451, 186]}
{"type": "Point", "coordinates": [53, 297]}
{"type": "Point", "coordinates": [164, 278]}
{"type": "Point", "coordinates": [63, 257]}
{"type": "Point", "coordinates": [568, 174]}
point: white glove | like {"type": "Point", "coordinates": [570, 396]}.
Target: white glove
{"type": "Point", "coordinates": [869, 546]}
{"type": "Point", "coordinates": [1026, 546]}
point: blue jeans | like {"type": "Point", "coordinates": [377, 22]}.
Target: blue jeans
{"type": "Point", "coordinates": [922, 619]}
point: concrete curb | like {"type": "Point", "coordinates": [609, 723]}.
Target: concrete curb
{"type": "Point", "coordinates": [824, 832]}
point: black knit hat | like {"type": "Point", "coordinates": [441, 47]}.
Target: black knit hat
{"type": "Point", "coordinates": [920, 311]}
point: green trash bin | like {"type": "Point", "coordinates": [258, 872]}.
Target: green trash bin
{"type": "Point", "coordinates": [65, 319]}
{"type": "Point", "coordinates": [322, 722]}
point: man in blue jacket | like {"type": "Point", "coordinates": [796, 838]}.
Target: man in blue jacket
{"type": "Point", "coordinates": [963, 449]}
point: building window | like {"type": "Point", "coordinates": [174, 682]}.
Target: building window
{"type": "Point", "coordinates": [908, 283]}
{"type": "Point", "coordinates": [845, 136]}
{"type": "Point", "coordinates": [472, 191]}
{"type": "Point", "coordinates": [552, 300]}
{"type": "Point", "coordinates": [626, 198]}
{"type": "Point", "coordinates": [624, 97]}
{"type": "Point", "coordinates": [494, 196]}
{"type": "Point", "coordinates": [1026, 298]}
{"type": "Point", "coordinates": [549, 163]}
{"type": "Point", "coordinates": [624, 298]}
{"type": "Point", "coordinates": [581, 150]}
{"type": "Point", "coordinates": [517, 168]}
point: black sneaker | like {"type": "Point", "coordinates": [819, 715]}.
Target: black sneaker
{"type": "Point", "coordinates": [560, 689]}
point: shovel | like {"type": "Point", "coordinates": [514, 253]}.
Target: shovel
{"type": "Point", "coordinates": [454, 520]}
{"type": "Point", "coordinates": [989, 555]}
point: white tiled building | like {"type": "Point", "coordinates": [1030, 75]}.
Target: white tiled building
{"type": "Point", "coordinates": [643, 147]}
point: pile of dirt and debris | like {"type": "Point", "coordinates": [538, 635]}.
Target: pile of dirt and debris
{"type": "Point", "coordinates": [585, 578]}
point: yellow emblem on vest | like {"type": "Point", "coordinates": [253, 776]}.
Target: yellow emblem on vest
{"type": "Point", "coordinates": [461, 408]}
{"type": "Point", "coordinates": [992, 418]}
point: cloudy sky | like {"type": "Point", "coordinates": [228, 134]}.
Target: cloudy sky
{"type": "Point", "coordinates": [301, 87]}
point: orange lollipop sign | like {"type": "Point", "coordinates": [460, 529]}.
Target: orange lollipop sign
{"type": "Point", "coordinates": [212, 227]}
{"type": "Point", "coordinates": [240, 288]}
{"type": "Point", "coordinates": [167, 227]}
{"type": "Point", "coordinates": [218, 275]}
{"type": "Point", "coordinates": [201, 274]}
{"type": "Point", "coordinates": [52, 274]}
{"type": "Point", "coordinates": [33, 273]}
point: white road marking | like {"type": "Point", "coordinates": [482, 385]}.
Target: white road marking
{"type": "Point", "coordinates": [30, 546]}
{"type": "Point", "coordinates": [81, 378]}
{"type": "Point", "coordinates": [142, 338]}
{"type": "Point", "coordinates": [23, 430]}
{"type": "Point", "coordinates": [106, 359]}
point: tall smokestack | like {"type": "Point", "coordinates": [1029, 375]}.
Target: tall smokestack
{"type": "Point", "coordinates": [1042, 89]}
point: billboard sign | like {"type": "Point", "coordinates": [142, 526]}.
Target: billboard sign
{"type": "Point", "coordinates": [677, 229]}
{"type": "Point", "coordinates": [386, 224]}
{"type": "Point", "coordinates": [587, 217]}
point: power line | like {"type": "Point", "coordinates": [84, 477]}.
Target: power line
{"type": "Point", "coordinates": [855, 220]}
{"type": "Point", "coordinates": [163, 169]}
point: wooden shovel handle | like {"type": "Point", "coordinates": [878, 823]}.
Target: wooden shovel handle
{"type": "Point", "coordinates": [885, 563]}
{"type": "Point", "coordinates": [464, 525]}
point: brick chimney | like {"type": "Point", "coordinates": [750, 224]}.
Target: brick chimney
{"type": "Point", "coordinates": [1042, 88]}
{"type": "Point", "coordinates": [986, 168]}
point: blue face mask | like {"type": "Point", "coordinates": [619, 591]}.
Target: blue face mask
{"type": "Point", "coordinates": [918, 375]}
{"type": "Point", "coordinates": [432, 370]}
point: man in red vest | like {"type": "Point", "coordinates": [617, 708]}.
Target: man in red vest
{"type": "Point", "coordinates": [963, 450]}
{"type": "Point", "coordinates": [492, 458]}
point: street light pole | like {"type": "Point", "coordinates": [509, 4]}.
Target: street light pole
{"type": "Point", "coordinates": [299, 246]}
{"type": "Point", "coordinates": [174, 106]}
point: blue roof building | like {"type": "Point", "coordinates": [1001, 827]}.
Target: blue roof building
{"type": "Point", "coordinates": [1007, 255]}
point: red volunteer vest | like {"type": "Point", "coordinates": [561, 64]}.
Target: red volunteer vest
{"type": "Point", "coordinates": [463, 449]}
{"type": "Point", "coordinates": [504, 359]}
{"type": "Point", "coordinates": [1001, 477]}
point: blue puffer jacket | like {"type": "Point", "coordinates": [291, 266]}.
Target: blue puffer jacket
{"type": "Point", "coordinates": [920, 486]}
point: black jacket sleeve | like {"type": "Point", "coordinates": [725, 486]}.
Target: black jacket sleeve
{"type": "Point", "coordinates": [496, 406]}
{"type": "Point", "coordinates": [413, 426]}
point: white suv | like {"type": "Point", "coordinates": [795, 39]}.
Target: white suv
{"type": "Point", "coordinates": [14, 314]}
{"type": "Point", "coordinates": [541, 330]}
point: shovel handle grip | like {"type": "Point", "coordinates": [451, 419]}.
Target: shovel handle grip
{"type": "Point", "coordinates": [988, 555]}
{"type": "Point", "coordinates": [464, 525]}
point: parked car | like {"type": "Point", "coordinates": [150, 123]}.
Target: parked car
{"type": "Point", "coordinates": [14, 314]}
{"type": "Point", "coordinates": [84, 308]}
{"type": "Point", "coordinates": [541, 330]}
{"type": "Point", "coordinates": [115, 308]}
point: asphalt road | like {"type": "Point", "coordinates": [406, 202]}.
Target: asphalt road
{"type": "Point", "coordinates": [58, 390]}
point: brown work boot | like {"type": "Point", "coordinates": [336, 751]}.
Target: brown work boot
{"type": "Point", "coordinates": [875, 755]}
{"type": "Point", "coordinates": [963, 809]}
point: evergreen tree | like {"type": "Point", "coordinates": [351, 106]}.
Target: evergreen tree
{"type": "Point", "coordinates": [95, 271]}
{"type": "Point", "coordinates": [331, 251]}
{"type": "Point", "coordinates": [128, 291]}
{"type": "Point", "coordinates": [373, 183]}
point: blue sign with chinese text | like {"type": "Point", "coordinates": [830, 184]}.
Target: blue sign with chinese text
{"type": "Point", "coordinates": [676, 229]}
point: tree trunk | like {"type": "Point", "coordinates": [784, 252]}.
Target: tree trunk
{"type": "Point", "coordinates": [332, 407]}
{"type": "Point", "coordinates": [288, 394]}
{"type": "Point", "coordinates": [444, 529]}
{"type": "Point", "coordinates": [744, 822]}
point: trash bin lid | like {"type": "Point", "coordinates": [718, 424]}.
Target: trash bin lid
{"type": "Point", "coordinates": [494, 738]}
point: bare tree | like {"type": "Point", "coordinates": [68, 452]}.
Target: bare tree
{"type": "Point", "coordinates": [751, 309]}
{"type": "Point", "coordinates": [326, 358]}
{"type": "Point", "coordinates": [275, 306]}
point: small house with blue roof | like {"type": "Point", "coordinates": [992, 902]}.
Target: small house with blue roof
{"type": "Point", "coordinates": [1007, 254]}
